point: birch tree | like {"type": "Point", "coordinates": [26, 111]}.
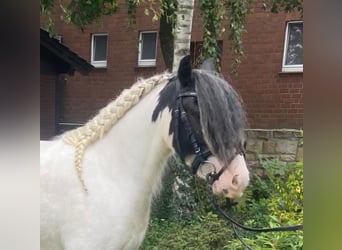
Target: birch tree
{"type": "Point", "coordinates": [182, 31]}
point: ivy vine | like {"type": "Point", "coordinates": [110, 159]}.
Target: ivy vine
{"type": "Point", "coordinates": [131, 6]}
{"type": "Point", "coordinates": [82, 13]}
{"type": "Point", "coordinates": [237, 9]}
{"type": "Point", "coordinates": [212, 12]}
{"type": "Point", "coordinates": [275, 6]}
{"type": "Point", "coordinates": [79, 13]}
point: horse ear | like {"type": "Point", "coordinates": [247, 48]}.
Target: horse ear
{"type": "Point", "coordinates": [185, 71]}
{"type": "Point", "coordinates": [208, 64]}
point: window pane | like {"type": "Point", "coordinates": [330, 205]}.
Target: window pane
{"type": "Point", "coordinates": [294, 53]}
{"type": "Point", "coordinates": [148, 46]}
{"type": "Point", "coordinates": [100, 48]}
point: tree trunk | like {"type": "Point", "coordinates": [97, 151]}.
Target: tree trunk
{"type": "Point", "coordinates": [182, 35]}
{"type": "Point", "coordinates": [166, 36]}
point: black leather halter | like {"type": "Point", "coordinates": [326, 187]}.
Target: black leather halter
{"type": "Point", "coordinates": [201, 154]}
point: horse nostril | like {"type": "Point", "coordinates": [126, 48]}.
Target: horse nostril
{"type": "Point", "coordinates": [225, 191]}
{"type": "Point", "coordinates": [235, 180]}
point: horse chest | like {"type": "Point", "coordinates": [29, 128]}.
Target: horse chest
{"type": "Point", "coordinates": [96, 223]}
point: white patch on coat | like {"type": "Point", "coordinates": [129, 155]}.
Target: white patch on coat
{"type": "Point", "coordinates": [122, 172]}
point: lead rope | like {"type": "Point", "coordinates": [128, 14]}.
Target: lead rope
{"type": "Point", "coordinates": [210, 178]}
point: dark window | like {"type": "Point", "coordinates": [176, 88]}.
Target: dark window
{"type": "Point", "coordinates": [99, 50]}
{"type": "Point", "coordinates": [147, 48]}
{"type": "Point", "coordinates": [293, 50]}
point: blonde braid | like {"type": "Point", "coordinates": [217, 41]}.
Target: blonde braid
{"type": "Point", "coordinates": [97, 127]}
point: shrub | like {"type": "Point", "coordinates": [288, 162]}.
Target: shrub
{"type": "Point", "coordinates": [204, 233]}
{"type": "Point", "coordinates": [189, 221]}
{"type": "Point", "coordinates": [276, 200]}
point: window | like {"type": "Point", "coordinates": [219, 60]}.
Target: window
{"type": "Point", "coordinates": [147, 48]}
{"type": "Point", "coordinates": [99, 50]}
{"type": "Point", "coordinates": [293, 48]}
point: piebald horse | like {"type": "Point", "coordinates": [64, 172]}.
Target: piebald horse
{"type": "Point", "coordinates": [98, 181]}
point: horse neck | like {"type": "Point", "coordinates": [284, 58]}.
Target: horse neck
{"type": "Point", "coordinates": [136, 148]}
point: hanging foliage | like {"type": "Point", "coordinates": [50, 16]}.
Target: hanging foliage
{"type": "Point", "coordinates": [79, 13]}
{"type": "Point", "coordinates": [82, 13]}
{"type": "Point", "coordinates": [237, 11]}
{"type": "Point", "coordinates": [212, 12]}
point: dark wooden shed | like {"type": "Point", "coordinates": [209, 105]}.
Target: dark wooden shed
{"type": "Point", "coordinates": [56, 61]}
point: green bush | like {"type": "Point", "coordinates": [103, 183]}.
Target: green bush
{"type": "Point", "coordinates": [204, 233]}
{"type": "Point", "coordinates": [273, 201]}
{"type": "Point", "coordinates": [190, 221]}
{"type": "Point", "coordinates": [191, 199]}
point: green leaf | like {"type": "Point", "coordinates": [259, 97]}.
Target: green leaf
{"type": "Point", "coordinates": [146, 12]}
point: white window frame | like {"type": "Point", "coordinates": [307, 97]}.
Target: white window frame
{"type": "Point", "coordinates": [294, 67]}
{"type": "Point", "coordinates": [97, 63]}
{"type": "Point", "coordinates": [146, 62]}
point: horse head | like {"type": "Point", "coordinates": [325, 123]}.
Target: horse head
{"type": "Point", "coordinates": [207, 125]}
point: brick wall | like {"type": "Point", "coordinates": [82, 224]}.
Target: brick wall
{"type": "Point", "coordinates": [83, 96]}
{"type": "Point", "coordinates": [272, 99]}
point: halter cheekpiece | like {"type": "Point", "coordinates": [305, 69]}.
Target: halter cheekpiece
{"type": "Point", "coordinates": [201, 155]}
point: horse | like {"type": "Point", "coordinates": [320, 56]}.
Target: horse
{"type": "Point", "coordinates": [98, 180]}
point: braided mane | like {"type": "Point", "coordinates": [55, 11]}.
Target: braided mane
{"type": "Point", "coordinates": [107, 117]}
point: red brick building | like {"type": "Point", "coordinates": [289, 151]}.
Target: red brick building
{"type": "Point", "coordinates": [56, 60]}
{"type": "Point", "coordinates": [272, 90]}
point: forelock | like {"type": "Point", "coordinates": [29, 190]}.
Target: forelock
{"type": "Point", "coordinates": [222, 115]}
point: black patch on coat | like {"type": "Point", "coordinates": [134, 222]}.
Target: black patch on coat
{"type": "Point", "coordinates": [168, 99]}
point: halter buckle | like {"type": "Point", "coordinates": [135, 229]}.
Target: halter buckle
{"type": "Point", "coordinates": [213, 169]}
